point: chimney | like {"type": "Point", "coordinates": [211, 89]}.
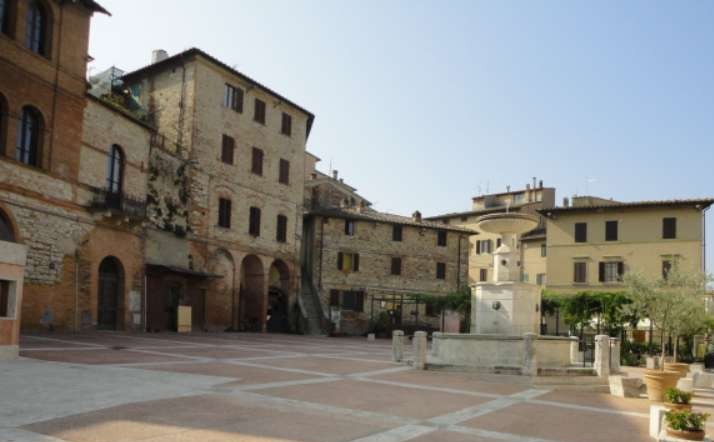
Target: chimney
{"type": "Point", "coordinates": [566, 202]}
{"type": "Point", "coordinates": [416, 216]}
{"type": "Point", "coordinates": [534, 182]}
{"type": "Point", "coordinates": [158, 55]}
{"type": "Point", "coordinates": [508, 188]}
{"type": "Point", "coordinates": [334, 174]}
{"type": "Point", "coordinates": [540, 184]}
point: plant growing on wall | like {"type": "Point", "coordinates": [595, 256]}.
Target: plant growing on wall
{"type": "Point", "coordinates": [169, 194]}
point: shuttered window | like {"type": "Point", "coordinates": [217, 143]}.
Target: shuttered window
{"type": "Point", "coordinates": [441, 238]}
{"type": "Point", "coordinates": [348, 262]}
{"type": "Point", "coordinates": [334, 298]}
{"type": "Point", "coordinates": [284, 173]}
{"type": "Point", "coordinates": [484, 246]}
{"type": "Point", "coordinates": [286, 126]}
{"type": "Point", "coordinates": [611, 271]}
{"type": "Point", "coordinates": [353, 300]}
{"type": "Point", "coordinates": [228, 146]}
{"type": "Point", "coordinates": [396, 266]}
{"type": "Point", "coordinates": [257, 161]}
{"type": "Point", "coordinates": [282, 228]}
{"type": "Point", "coordinates": [440, 270]}
{"type": "Point", "coordinates": [224, 213]}
{"type": "Point", "coordinates": [349, 227]}
{"type": "Point", "coordinates": [581, 232]}
{"type": "Point", "coordinates": [611, 231]}
{"type": "Point", "coordinates": [666, 268]}
{"type": "Point", "coordinates": [259, 114]}
{"type": "Point", "coordinates": [580, 272]}
{"type": "Point", "coordinates": [483, 275]}
{"type": "Point", "coordinates": [669, 228]}
{"type": "Point", "coordinates": [254, 222]}
{"type": "Point", "coordinates": [233, 98]}
{"type": "Point", "coordinates": [543, 250]}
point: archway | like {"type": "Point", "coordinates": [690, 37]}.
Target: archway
{"type": "Point", "coordinates": [221, 307]}
{"type": "Point", "coordinates": [110, 296]}
{"type": "Point", "coordinates": [278, 297]}
{"type": "Point", "coordinates": [252, 294]}
{"type": "Point", "coordinates": [7, 232]}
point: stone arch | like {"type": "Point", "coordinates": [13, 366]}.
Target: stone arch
{"type": "Point", "coordinates": [221, 303]}
{"type": "Point", "coordinates": [110, 294]}
{"type": "Point", "coordinates": [252, 294]}
{"type": "Point", "coordinates": [8, 227]}
{"type": "Point", "coordinates": [38, 27]}
{"type": "Point", "coordinates": [279, 297]}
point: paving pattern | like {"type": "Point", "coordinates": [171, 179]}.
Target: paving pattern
{"type": "Point", "coordinates": [113, 387]}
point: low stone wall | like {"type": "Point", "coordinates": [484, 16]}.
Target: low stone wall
{"type": "Point", "coordinates": [500, 353]}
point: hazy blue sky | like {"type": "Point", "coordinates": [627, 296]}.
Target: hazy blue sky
{"type": "Point", "coordinates": [421, 104]}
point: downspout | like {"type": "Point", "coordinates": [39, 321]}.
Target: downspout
{"type": "Point", "coordinates": [458, 265]}
{"type": "Point", "coordinates": [55, 87]}
{"type": "Point", "coordinates": [322, 244]}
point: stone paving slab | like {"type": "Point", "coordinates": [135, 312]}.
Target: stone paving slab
{"type": "Point", "coordinates": [241, 374]}
{"type": "Point", "coordinates": [474, 382]}
{"type": "Point", "coordinates": [330, 365]}
{"type": "Point", "coordinates": [100, 356]}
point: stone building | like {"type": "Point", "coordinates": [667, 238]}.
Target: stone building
{"type": "Point", "coordinates": [358, 262]}
{"type": "Point", "coordinates": [243, 146]}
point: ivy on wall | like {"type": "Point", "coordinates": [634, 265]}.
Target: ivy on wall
{"type": "Point", "coordinates": [168, 193]}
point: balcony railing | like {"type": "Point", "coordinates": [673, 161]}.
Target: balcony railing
{"type": "Point", "coordinates": [117, 202]}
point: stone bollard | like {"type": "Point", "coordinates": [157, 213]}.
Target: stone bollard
{"type": "Point", "coordinates": [530, 357]}
{"type": "Point", "coordinates": [370, 337]}
{"type": "Point", "coordinates": [576, 356]}
{"type": "Point", "coordinates": [435, 339]}
{"type": "Point", "coordinates": [420, 350]}
{"type": "Point", "coordinates": [656, 419]}
{"type": "Point", "coordinates": [601, 362]}
{"type": "Point", "coordinates": [614, 355]}
{"type": "Point", "coordinates": [397, 345]}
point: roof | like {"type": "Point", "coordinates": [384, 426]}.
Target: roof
{"type": "Point", "coordinates": [700, 203]}
{"type": "Point", "coordinates": [512, 192]}
{"type": "Point", "coordinates": [373, 215]}
{"type": "Point", "coordinates": [537, 233]}
{"type": "Point", "coordinates": [121, 111]}
{"type": "Point", "coordinates": [515, 207]}
{"type": "Point", "coordinates": [94, 6]}
{"type": "Point", "coordinates": [193, 52]}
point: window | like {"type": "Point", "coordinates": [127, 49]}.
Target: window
{"type": "Point", "coordinates": [580, 272]}
{"type": "Point", "coordinates": [5, 299]}
{"type": "Point", "coordinates": [37, 28]}
{"type": "Point", "coordinates": [484, 246]}
{"type": "Point", "coordinates": [349, 227]}
{"type": "Point", "coordinates": [610, 230]}
{"type": "Point", "coordinates": [257, 162]}
{"type": "Point", "coordinates": [440, 270]}
{"type": "Point", "coordinates": [441, 238]}
{"type": "Point", "coordinates": [334, 298]}
{"type": "Point", "coordinates": [353, 300]}
{"type": "Point", "coordinates": [286, 126]}
{"type": "Point", "coordinates": [284, 173]}
{"type": "Point", "coordinates": [115, 170]}
{"type": "Point", "coordinates": [259, 114]}
{"type": "Point", "coordinates": [282, 229]}
{"type": "Point", "coordinates": [3, 122]}
{"type": "Point", "coordinates": [483, 275]}
{"type": "Point", "coordinates": [611, 271]}
{"type": "Point", "coordinates": [430, 309]}
{"type": "Point", "coordinates": [224, 213]}
{"type": "Point", "coordinates": [6, 230]}
{"type": "Point", "coordinates": [669, 228]}
{"type": "Point", "coordinates": [498, 243]}
{"type": "Point", "coordinates": [543, 250]}
{"type": "Point", "coordinates": [233, 98]}
{"type": "Point", "coordinates": [29, 136]}
{"type": "Point", "coordinates": [396, 266]}
{"type": "Point", "coordinates": [397, 232]}
{"type": "Point", "coordinates": [666, 268]}
{"type": "Point", "coordinates": [254, 222]}
{"type": "Point", "coordinates": [348, 262]}
{"type": "Point", "coordinates": [540, 279]}
{"type": "Point", "coordinates": [581, 232]}
{"type": "Point", "coordinates": [228, 146]}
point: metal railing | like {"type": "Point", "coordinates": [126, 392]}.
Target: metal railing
{"type": "Point", "coordinates": [106, 200]}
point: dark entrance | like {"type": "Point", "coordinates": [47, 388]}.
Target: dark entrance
{"type": "Point", "coordinates": [278, 321]}
{"type": "Point", "coordinates": [110, 291]}
{"type": "Point", "coordinates": [171, 303]}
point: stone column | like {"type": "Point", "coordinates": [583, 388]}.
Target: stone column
{"type": "Point", "coordinates": [614, 355]}
{"type": "Point", "coordinates": [530, 357]}
{"type": "Point", "coordinates": [397, 345]}
{"type": "Point", "coordinates": [575, 356]}
{"type": "Point", "coordinates": [601, 362]}
{"type": "Point", "coordinates": [420, 350]}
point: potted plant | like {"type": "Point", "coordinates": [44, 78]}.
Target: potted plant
{"type": "Point", "coordinates": [676, 399]}
{"type": "Point", "coordinates": [684, 424]}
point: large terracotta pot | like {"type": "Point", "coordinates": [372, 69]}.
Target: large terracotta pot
{"type": "Point", "coordinates": [686, 435]}
{"type": "Point", "coordinates": [679, 367]}
{"type": "Point", "coordinates": [658, 381]}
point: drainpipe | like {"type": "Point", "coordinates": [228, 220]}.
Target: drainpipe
{"type": "Point", "coordinates": [322, 244]}
{"type": "Point", "coordinates": [458, 264]}
{"type": "Point", "coordinates": [55, 88]}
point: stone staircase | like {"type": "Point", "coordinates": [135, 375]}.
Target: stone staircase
{"type": "Point", "coordinates": [315, 321]}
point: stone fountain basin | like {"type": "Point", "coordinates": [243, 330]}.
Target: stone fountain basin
{"type": "Point", "coordinates": [504, 223]}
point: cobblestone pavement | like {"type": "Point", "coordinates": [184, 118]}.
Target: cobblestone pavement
{"type": "Point", "coordinates": [112, 387]}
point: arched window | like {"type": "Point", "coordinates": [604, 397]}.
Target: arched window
{"type": "Point", "coordinates": [37, 28]}
{"type": "Point", "coordinates": [6, 231]}
{"type": "Point", "coordinates": [29, 137]}
{"type": "Point", "coordinates": [115, 170]}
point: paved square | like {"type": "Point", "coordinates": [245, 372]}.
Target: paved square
{"type": "Point", "coordinates": [115, 387]}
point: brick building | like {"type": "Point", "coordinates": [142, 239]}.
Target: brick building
{"type": "Point", "coordinates": [359, 262]}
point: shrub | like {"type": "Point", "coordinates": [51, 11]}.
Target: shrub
{"type": "Point", "coordinates": [677, 396]}
{"type": "Point", "coordinates": [685, 420]}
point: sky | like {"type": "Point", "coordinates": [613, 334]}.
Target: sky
{"type": "Point", "coordinates": [422, 105]}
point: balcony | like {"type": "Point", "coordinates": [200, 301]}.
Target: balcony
{"type": "Point", "coordinates": [117, 204]}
